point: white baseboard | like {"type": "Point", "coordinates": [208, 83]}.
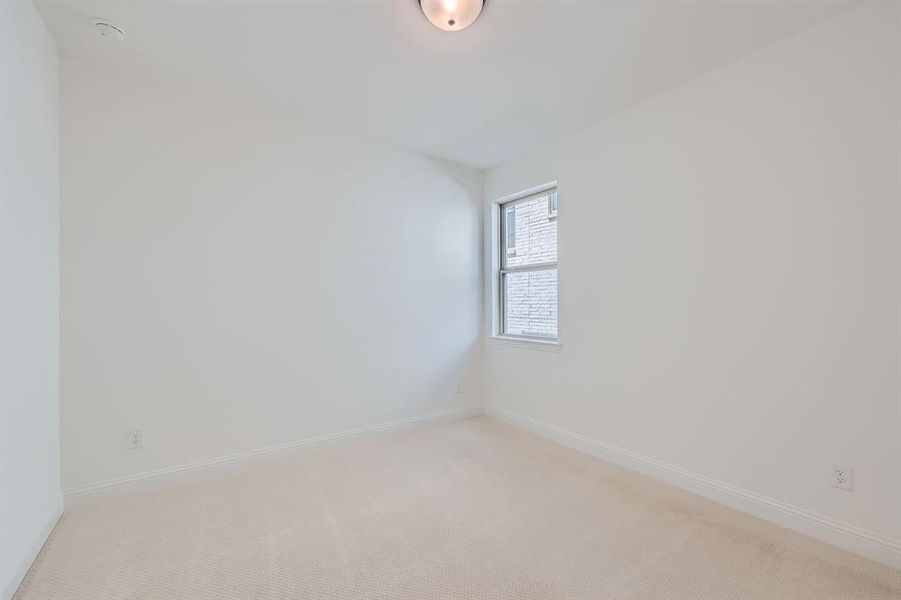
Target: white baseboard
{"type": "Point", "coordinates": [435, 417]}
{"type": "Point", "coordinates": [22, 570]}
{"type": "Point", "coordinates": [870, 545]}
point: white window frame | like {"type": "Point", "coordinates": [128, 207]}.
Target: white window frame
{"type": "Point", "coordinates": [498, 244]}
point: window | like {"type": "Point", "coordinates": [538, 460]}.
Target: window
{"type": "Point", "coordinates": [528, 267]}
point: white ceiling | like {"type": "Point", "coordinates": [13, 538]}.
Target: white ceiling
{"type": "Point", "coordinates": [526, 72]}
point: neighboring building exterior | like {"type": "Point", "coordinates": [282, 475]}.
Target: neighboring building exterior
{"type": "Point", "coordinates": [531, 297]}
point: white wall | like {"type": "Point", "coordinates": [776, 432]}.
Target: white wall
{"type": "Point", "coordinates": [231, 282]}
{"type": "Point", "coordinates": [30, 499]}
{"type": "Point", "coordinates": [729, 279]}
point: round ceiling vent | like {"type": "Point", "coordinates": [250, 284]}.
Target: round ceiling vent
{"type": "Point", "coordinates": [107, 30]}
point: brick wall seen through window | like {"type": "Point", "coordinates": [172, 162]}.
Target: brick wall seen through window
{"type": "Point", "coordinates": [529, 266]}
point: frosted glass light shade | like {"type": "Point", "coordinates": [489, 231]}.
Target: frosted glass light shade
{"type": "Point", "coordinates": [451, 15]}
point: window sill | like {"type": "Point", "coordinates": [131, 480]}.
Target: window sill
{"type": "Point", "coordinates": [532, 344]}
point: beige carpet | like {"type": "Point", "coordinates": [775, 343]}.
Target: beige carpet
{"type": "Point", "coordinates": [472, 509]}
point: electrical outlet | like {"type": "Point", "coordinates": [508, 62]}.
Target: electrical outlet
{"type": "Point", "coordinates": [843, 477]}
{"type": "Point", "coordinates": [459, 387]}
{"type": "Point", "coordinates": [135, 439]}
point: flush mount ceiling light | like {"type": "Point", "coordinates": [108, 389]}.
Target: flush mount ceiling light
{"type": "Point", "coordinates": [451, 15]}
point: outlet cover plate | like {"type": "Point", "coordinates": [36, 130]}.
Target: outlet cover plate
{"type": "Point", "coordinates": [843, 477]}
{"type": "Point", "coordinates": [135, 439]}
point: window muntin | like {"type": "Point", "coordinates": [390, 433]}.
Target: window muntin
{"type": "Point", "coordinates": [528, 267]}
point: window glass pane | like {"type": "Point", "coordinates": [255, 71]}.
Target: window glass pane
{"type": "Point", "coordinates": [510, 227]}
{"type": "Point", "coordinates": [534, 235]}
{"type": "Point", "coordinates": [530, 303]}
